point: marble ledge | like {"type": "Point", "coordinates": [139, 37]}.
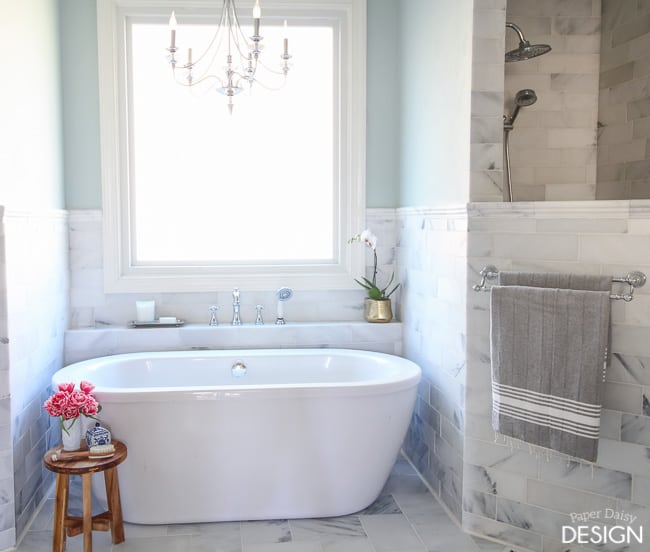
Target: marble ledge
{"type": "Point", "coordinates": [85, 343]}
{"type": "Point", "coordinates": [632, 209]}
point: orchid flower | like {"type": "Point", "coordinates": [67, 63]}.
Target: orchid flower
{"type": "Point", "coordinates": [374, 292]}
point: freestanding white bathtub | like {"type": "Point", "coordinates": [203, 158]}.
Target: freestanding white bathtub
{"type": "Point", "coordinates": [296, 433]}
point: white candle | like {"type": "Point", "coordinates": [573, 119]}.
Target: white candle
{"type": "Point", "coordinates": [189, 56]}
{"type": "Point", "coordinates": [286, 39]}
{"type": "Point", "coordinates": [145, 311]}
{"type": "Point", "coordinates": [172, 28]}
{"type": "Point", "coordinates": [257, 13]}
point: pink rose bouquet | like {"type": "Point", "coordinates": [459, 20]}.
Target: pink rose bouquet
{"type": "Point", "coordinates": [68, 404]}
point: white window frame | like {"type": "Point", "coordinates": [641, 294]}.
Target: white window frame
{"type": "Point", "coordinates": [123, 275]}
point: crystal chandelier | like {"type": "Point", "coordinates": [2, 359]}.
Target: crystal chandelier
{"type": "Point", "coordinates": [240, 53]}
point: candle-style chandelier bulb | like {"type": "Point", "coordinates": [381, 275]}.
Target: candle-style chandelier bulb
{"type": "Point", "coordinates": [241, 55]}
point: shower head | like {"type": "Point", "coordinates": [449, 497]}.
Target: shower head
{"type": "Point", "coordinates": [523, 98]}
{"type": "Point", "coordinates": [526, 50]}
{"type": "Point", "coordinates": [284, 294]}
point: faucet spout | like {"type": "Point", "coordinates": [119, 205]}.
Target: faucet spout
{"type": "Point", "coordinates": [236, 321]}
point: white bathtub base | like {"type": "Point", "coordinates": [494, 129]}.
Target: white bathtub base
{"type": "Point", "coordinates": [237, 453]}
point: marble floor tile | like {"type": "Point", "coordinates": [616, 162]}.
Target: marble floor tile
{"type": "Point", "coordinates": [438, 538]}
{"type": "Point", "coordinates": [284, 547]}
{"type": "Point", "coordinates": [392, 533]}
{"type": "Point", "coordinates": [485, 545]}
{"type": "Point", "coordinates": [385, 504]}
{"type": "Point", "coordinates": [405, 518]}
{"type": "Point", "coordinates": [356, 544]}
{"type": "Point", "coordinates": [327, 529]}
{"type": "Point", "coordinates": [265, 532]}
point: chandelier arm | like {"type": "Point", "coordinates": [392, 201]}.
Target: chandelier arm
{"type": "Point", "coordinates": [217, 34]}
{"type": "Point", "coordinates": [271, 88]}
{"type": "Point", "coordinates": [270, 70]}
{"type": "Point", "coordinates": [194, 82]}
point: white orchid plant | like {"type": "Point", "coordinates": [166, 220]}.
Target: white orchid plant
{"type": "Point", "coordinates": [374, 291]}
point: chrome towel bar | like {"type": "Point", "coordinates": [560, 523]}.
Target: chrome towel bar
{"type": "Point", "coordinates": [634, 279]}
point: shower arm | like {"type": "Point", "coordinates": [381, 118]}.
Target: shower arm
{"type": "Point", "coordinates": [514, 27]}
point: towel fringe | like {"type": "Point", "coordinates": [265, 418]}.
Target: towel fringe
{"type": "Point", "coordinates": [538, 452]}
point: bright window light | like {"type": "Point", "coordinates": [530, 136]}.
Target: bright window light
{"type": "Point", "coordinates": [211, 187]}
{"type": "Point", "coordinates": [196, 198]}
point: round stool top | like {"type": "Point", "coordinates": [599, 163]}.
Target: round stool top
{"type": "Point", "coordinates": [84, 465]}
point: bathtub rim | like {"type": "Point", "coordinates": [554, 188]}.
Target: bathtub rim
{"type": "Point", "coordinates": [407, 379]}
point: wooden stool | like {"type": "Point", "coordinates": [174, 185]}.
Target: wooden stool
{"type": "Point", "coordinates": [87, 523]}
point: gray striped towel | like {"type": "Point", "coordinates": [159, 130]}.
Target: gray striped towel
{"type": "Point", "coordinates": [549, 351]}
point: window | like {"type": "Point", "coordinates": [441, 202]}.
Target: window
{"type": "Point", "coordinates": [198, 199]}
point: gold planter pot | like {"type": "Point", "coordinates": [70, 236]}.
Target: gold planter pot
{"type": "Point", "coordinates": [378, 310]}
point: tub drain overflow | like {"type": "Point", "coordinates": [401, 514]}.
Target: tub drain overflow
{"type": "Point", "coordinates": [238, 369]}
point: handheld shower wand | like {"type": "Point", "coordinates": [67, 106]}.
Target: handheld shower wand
{"type": "Point", "coordinates": [523, 98]}
{"type": "Point", "coordinates": [283, 294]}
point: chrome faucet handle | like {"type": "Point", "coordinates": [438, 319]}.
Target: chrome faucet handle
{"type": "Point", "coordinates": [213, 315]}
{"type": "Point", "coordinates": [235, 296]}
{"type": "Point", "coordinates": [258, 320]}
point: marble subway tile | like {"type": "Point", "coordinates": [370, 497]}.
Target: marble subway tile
{"type": "Point", "coordinates": [626, 457]}
{"type": "Point", "coordinates": [482, 504]}
{"type": "Point", "coordinates": [635, 429]}
{"type": "Point", "coordinates": [531, 518]}
{"type": "Point", "coordinates": [641, 490]}
{"type": "Point", "coordinates": [555, 247]}
{"type": "Point", "coordinates": [502, 532]}
{"type": "Point", "coordinates": [501, 457]}
{"type": "Point", "coordinates": [487, 103]}
{"type": "Point", "coordinates": [562, 499]}
{"type": "Point", "coordinates": [591, 478]}
{"type": "Point", "coordinates": [623, 397]}
{"type": "Point", "coordinates": [494, 481]}
{"type": "Point", "coordinates": [576, 25]}
{"type": "Point", "coordinates": [610, 424]}
{"type": "Point", "coordinates": [629, 369]}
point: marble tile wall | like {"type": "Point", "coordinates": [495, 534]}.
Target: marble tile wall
{"type": "Point", "coordinates": [91, 307]}
{"type": "Point", "coordinates": [35, 265]}
{"type": "Point", "coordinates": [522, 496]}
{"type": "Point", "coordinates": [624, 116]}
{"type": "Point", "coordinates": [431, 260]}
{"type": "Point", "coordinates": [486, 162]}
{"type": "Point", "coordinates": [7, 528]}
{"type": "Point", "coordinates": [84, 343]}
{"type": "Point", "coordinates": [553, 149]}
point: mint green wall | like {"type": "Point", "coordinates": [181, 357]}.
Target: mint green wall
{"type": "Point", "coordinates": [383, 121]}
{"type": "Point", "coordinates": [31, 173]}
{"type": "Point", "coordinates": [81, 104]}
{"type": "Point", "coordinates": [435, 61]}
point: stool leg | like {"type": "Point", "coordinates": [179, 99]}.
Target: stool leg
{"type": "Point", "coordinates": [86, 497]}
{"type": "Point", "coordinates": [114, 504]}
{"type": "Point", "coordinates": [60, 512]}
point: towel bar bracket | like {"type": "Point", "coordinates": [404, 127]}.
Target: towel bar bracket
{"type": "Point", "coordinates": [489, 272]}
{"type": "Point", "coordinates": [634, 279]}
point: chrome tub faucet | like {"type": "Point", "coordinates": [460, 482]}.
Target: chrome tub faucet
{"type": "Point", "coordinates": [236, 321]}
